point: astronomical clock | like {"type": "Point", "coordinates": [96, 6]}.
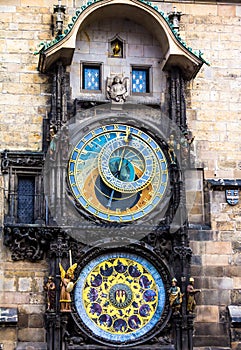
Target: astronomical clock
{"type": "Point", "coordinates": [119, 180]}
{"type": "Point", "coordinates": [108, 210]}
{"type": "Point", "coordinates": [118, 173]}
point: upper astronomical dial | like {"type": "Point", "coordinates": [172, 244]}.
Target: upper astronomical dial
{"type": "Point", "coordinates": [117, 173]}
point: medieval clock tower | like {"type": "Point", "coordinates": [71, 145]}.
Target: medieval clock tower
{"type": "Point", "coordinates": [117, 149]}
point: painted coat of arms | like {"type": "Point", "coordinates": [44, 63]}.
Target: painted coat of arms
{"type": "Point", "coordinates": [232, 196]}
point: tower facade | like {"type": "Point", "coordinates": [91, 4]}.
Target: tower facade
{"type": "Point", "coordinates": [118, 183]}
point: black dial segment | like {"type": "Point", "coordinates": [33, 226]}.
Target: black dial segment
{"type": "Point", "coordinates": [113, 199]}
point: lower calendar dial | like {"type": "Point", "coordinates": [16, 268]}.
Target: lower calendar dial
{"type": "Point", "coordinates": [120, 296]}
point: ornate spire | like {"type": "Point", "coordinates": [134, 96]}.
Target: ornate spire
{"type": "Point", "coordinates": [174, 18]}
{"type": "Point", "coordinates": [59, 10]}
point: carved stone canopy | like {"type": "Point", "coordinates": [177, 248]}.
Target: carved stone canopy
{"type": "Point", "coordinates": [175, 53]}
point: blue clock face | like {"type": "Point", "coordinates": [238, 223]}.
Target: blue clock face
{"type": "Point", "coordinates": [120, 296]}
{"type": "Point", "coordinates": [126, 164]}
{"type": "Point", "coordinates": [118, 173]}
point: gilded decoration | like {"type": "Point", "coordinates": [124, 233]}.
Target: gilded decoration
{"type": "Point", "coordinates": [120, 296]}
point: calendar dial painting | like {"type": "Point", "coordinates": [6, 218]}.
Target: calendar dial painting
{"type": "Point", "coordinates": [120, 297]}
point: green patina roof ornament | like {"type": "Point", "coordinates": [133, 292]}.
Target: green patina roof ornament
{"type": "Point", "coordinates": [45, 45]}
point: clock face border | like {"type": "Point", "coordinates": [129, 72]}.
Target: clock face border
{"type": "Point", "coordinates": [152, 264]}
{"type": "Point", "coordinates": [157, 204]}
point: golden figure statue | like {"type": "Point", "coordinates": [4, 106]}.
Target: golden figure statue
{"type": "Point", "coordinates": [66, 286]}
{"type": "Point", "coordinates": [116, 49]}
{"type": "Point", "coordinates": [175, 296]}
{"type": "Point", "coordinates": [191, 302]}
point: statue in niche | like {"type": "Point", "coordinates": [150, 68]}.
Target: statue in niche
{"type": "Point", "coordinates": [173, 148]}
{"type": "Point", "coordinates": [116, 48]}
{"type": "Point", "coordinates": [175, 297]}
{"type": "Point", "coordinates": [117, 88]}
{"type": "Point", "coordinates": [66, 286]}
{"type": "Point", "coordinates": [191, 292]}
{"type": "Point", "coordinates": [186, 144]}
{"type": "Point", "coordinates": [64, 142]}
{"type": "Point", "coordinates": [53, 142]}
{"type": "Point", "coordinates": [50, 288]}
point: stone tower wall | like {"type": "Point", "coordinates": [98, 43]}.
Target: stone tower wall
{"type": "Point", "coordinates": [213, 113]}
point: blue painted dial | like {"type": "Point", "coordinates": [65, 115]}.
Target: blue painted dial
{"type": "Point", "coordinates": [118, 173]}
{"type": "Point", "coordinates": [127, 165]}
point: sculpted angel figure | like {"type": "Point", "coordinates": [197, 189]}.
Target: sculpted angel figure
{"type": "Point", "coordinates": [66, 287]}
{"type": "Point", "coordinates": [117, 89]}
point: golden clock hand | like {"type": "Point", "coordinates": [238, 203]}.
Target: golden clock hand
{"type": "Point", "coordinates": [126, 138]}
{"type": "Point", "coordinates": [117, 174]}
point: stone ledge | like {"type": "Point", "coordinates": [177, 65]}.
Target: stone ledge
{"type": "Point", "coordinates": [101, 347]}
{"type": "Point", "coordinates": [202, 235]}
{"type": "Point", "coordinates": [211, 348]}
{"type": "Point", "coordinates": [31, 346]}
{"type": "Point", "coordinates": [212, 342]}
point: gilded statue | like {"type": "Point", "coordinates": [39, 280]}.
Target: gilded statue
{"type": "Point", "coordinates": [191, 292]}
{"type": "Point", "coordinates": [116, 49]}
{"type": "Point", "coordinates": [175, 296]}
{"type": "Point", "coordinates": [66, 286]}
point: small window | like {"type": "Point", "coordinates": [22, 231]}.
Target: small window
{"type": "Point", "coordinates": [140, 80]}
{"type": "Point", "coordinates": [26, 194]}
{"type": "Point", "coordinates": [91, 77]}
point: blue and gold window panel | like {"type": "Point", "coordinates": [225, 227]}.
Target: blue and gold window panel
{"type": "Point", "coordinates": [91, 77]}
{"type": "Point", "coordinates": [140, 80]}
